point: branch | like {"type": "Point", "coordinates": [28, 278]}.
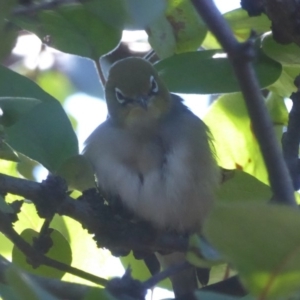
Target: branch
{"type": "Point", "coordinates": [241, 56]}
{"type": "Point", "coordinates": [291, 140]}
{"type": "Point", "coordinates": [37, 257]}
{"type": "Point", "coordinates": [110, 230]}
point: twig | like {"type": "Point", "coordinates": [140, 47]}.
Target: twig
{"type": "Point", "coordinates": [241, 56]}
{"type": "Point", "coordinates": [291, 139]}
{"type": "Point", "coordinates": [7, 229]}
{"type": "Point", "coordinates": [35, 8]}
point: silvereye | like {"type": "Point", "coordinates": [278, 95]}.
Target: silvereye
{"type": "Point", "coordinates": [155, 154]}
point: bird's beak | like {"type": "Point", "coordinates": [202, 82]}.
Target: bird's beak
{"type": "Point", "coordinates": [143, 101]}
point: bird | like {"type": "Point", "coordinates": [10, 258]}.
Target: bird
{"type": "Point", "coordinates": [154, 154]}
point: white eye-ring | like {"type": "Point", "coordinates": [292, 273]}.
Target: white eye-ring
{"type": "Point", "coordinates": [120, 97]}
{"type": "Point", "coordinates": [154, 85]}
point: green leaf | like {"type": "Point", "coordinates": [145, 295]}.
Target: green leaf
{"type": "Point", "coordinates": [74, 30]}
{"type": "Point", "coordinates": [44, 134]}
{"type": "Point", "coordinates": [179, 30]}
{"type": "Point", "coordinates": [240, 188]}
{"type": "Point", "coordinates": [233, 138]}
{"type": "Point", "coordinates": [8, 153]}
{"type": "Point", "coordinates": [15, 85]}
{"type": "Point", "coordinates": [60, 251]}
{"type": "Point", "coordinates": [277, 109]}
{"type": "Point", "coordinates": [219, 77]}
{"type": "Point", "coordinates": [127, 14]}
{"type": "Point", "coordinates": [262, 241]}
{"type": "Point", "coordinates": [26, 166]}
{"type": "Point", "coordinates": [25, 287]}
{"type": "Point", "coordinates": [285, 54]}
{"type": "Point", "coordinates": [96, 293]}
{"type": "Point", "coordinates": [14, 108]}
{"type": "Point", "coordinates": [241, 25]}
{"type": "Point", "coordinates": [41, 131]}
{"type": "Point", "coordinates": [7, 293]}
{"type": "Point", "coordinates": [162, 38]}
{"type": "Point", "coordinates": [78, 173]}
{"type": "Point", "coordinates": [8, 32]}
{"type": "Point", "coordinates": [285, 86]}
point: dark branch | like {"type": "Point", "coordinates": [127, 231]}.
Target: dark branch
{"type": "Point", "coordinates": [241, 56]}
{"type": "Point", "coordinates": [110, 230]}
{"type": "Point", "coordinates": [291, 140]}
{"type": "Point", "coordinates": [37, 257]}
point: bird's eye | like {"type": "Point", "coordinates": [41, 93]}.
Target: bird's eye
{"type": "Point", "coordinates": [120, 97]}
{"type": "Point", "coordinates": [154, 85]}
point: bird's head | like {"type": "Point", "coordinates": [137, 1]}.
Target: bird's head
{"type": "Point", "coordinates": [135, 94]}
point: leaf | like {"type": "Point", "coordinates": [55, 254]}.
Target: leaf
{"type": "Point", "coordinates": [241, 25]}
{"type": "Point", "coordinates": [14, 85]}
{"type": "Point", "coordinates": [277, 109]}
{"type": "Point", "coordinates": [44, 134]}
{"type": "Point", "coordinates": [26, 166]}
{"type": "Point", "coordinates": [60, 251]}
{"type": "Point", "coordinates": [162, 38]}
{"type": "Point", "coordinates": [74, 30]}
{"type": "Point", "coordinates": [96, 293]}
{"type": "Point", "coordinates": [8, 32]}
{"type": "Point", "coordinates": [24, 286]}
{"type": "Point", "coordinates": [7, 153]}
{"type": "Point", "coordinates": [7, 293]}
{"type": "Point", "coordinates": [219, 77]}
{"type": "Point", "coordinates": [285, 86]}
{"type": "Point", "coordinates": [41, 131]}
{"type": "Point", "coordinates": [233, 138]}
{"type": "Point", "coordinates": [262, 241]}
{"type": "Point", "coordinates": [285, 54]}
{"type": "Point", "coordinates": [127, 14]}
{"type": "Point", "coordinates": [78, 173]}
{"type": "Point", "coordinates": [14, 108]}
{"type": "Point", "coordinates": [179, 30]}
{"type": "Point", "coordinates": [240, 188]}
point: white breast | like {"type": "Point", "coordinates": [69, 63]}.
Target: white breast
{"type": "Point", "coordinates": [172, 189]}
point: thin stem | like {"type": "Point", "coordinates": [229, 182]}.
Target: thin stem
{"type": "Point", "coordinates": [7, 229]}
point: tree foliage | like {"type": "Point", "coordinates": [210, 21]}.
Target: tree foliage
{"type": "Point", "coordinates": [248, 238]}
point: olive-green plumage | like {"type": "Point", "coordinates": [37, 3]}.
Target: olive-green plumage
{"type": "Point", "coordinates": [154, 153]}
